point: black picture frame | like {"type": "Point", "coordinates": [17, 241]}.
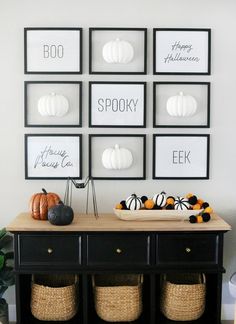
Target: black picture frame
{"type": "Point", "coordinates": [55, 160]}
{"type": "Point", "coordinates": [174, 70]}
{"type": "Point", "coordinates": [57, 84]}
{"type": "Point", "coordinates": [53, 51]}
{"type": "Point", "coordinates": [126, 139]}
{"type": "Point", "coordinates": [125, 101]}
{"type": "Point", "coordinates": [204, 104]}
{"type": "Point", "coordinates": [166, 158]}
{"type": "Point", "coordinates": [117, 31]}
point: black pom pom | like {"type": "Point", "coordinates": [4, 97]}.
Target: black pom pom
{"type": "Point", "coordinates": [169, 206]}
{"type": "Point", "coordinates": [193, 219]}
{"type": "Point", "coordinates": [123, 204]}
{"type": "Point", "coordinates": [156, 207]}
{"type": "Point", "coordinates": [206, 217]}
{"type": "Point", "coordinates": [205, 205]}
{"type": "Point", "coordinates": [192, 200]}
{"type": "Point", "coordinates": [144, 198]}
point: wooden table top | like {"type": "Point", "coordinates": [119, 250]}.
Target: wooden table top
{"type": "Point", "coordinates": [109, 222]}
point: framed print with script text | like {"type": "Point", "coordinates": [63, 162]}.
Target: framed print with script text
{"type": "Point", "coordinates": [53, 156]}
{"type": "Point", "coordinates": [181, 51]}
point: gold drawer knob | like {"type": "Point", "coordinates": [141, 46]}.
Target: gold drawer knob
{"type": "Point", "coordinates": [187, 250]}
{"type": "Point", "coordinates": [50, 250]}
{"type": "Point", "coordinates": [119, 251]}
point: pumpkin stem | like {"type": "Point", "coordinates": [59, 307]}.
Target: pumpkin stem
{"type": "Point", "coordinates": [44, 191]}
{"type": "Point", "coordinates": [117, 146]}
{"type": "Point", "coordinates": [181, 93]}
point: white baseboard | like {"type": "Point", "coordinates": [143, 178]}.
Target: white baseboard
{"type": "Point", "coordinates": [227, 312]}
{"type": "Point", "coordinates": [12, 313]}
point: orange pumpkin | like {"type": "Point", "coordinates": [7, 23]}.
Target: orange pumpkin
{"type": "Point", "coordinates": [41, 202]}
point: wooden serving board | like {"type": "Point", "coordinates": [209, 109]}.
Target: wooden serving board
{"type": "Point", "coordinates": [155, 215]}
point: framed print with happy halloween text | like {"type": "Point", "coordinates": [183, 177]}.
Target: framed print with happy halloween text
{"type": "Point", "coordinates": [181, 51]}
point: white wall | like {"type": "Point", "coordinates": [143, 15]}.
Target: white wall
{"type": "Point", "coordinates": [215, 14]}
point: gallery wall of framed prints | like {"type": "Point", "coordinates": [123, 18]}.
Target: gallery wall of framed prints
{"type": "Point", "coordinates": [125, 107]}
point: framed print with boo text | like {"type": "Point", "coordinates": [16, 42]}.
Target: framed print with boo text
{"type": "Point", "coordinates": [117, 50]}
{"type": "Point", "coordinates": [117, 157]}
{"type": "Point", "coordinates": [117, 104]}
{"type": "Point", "coordinates": [181, 51]}
{"type": "Point", "coordinates": [181, 104]}
{"type": "Point", "coordinates": [53, 156]}
{"type": "Point", "coordinates": [53, 104]}
{"type": "Point", "coordinates": [53, 50]}
{"type": "Point", "coordinates": [181, 156]}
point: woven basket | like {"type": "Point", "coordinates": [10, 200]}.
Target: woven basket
{"type": "Point", "coordinates": [54, 297]}
{"type": "Point", "coordinates": [118, 298]}
{"type": "Point", "coordinates": [183, 296]}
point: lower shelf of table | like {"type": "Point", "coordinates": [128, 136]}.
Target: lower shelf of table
{"type": "Point", "coordinates": [151, 299]}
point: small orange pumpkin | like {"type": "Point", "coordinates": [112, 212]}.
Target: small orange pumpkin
{"type": "Point", "coordinates": [41, 202]}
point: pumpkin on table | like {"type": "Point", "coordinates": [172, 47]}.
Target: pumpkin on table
{"type": "Point", "coordinates": [41, 202]}
{"type": "Point", "coordinates": [60, 214]}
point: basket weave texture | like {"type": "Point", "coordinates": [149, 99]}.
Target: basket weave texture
{"type": "Point", "coordinates": [118, 298]}
{"type": "Point", "coordinates": [54, 298]}
{"type": "Point", "coordinates": [183, 296]}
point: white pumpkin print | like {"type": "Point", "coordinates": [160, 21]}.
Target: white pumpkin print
{"type": "Point", "coordinates": [118, 51]}
{"type": "Point", "coordinates": [181, 105]}
{"type": "Point", "coordinates": [117, 158]}
{"type": "Point", "coordinates": [53, 105]}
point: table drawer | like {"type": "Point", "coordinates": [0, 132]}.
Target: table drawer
{"type": "Point", "coordinates": [187, 249]}
{"type": "Point", "coordinates": [49, 250]}
{"type": "Point", "coordinates": [118, 249]}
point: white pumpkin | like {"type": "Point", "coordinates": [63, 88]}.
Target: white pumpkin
{"type": "Point", "coordinates": [117, 158]}
{"type": "Point", "coordinates": [118, 51]}
{"type": "Point", "coordinates": [53, 105]}
{"type": "Point", "coordinates": [181, 105]}
{"type": "Point", "coordinates": [181, 203]}
{"type": "Point", "coordinates": [160, 199]}
{"type": "Point", "coordinates": [133, 202]}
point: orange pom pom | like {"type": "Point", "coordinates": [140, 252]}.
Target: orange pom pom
{"type": "Point", "coordinates": [199, 219]}
{"type": "Point", "coordinates": [170, 201]}
{"type": "Point", "coordinates": [196, 207]}
{"type": "Point", "coordinates": [200, 202]}
{"type": "Point", "coordinates": [118, 206]}
{"type": "Point", "coordinates": [149, 204]}
{"type": "Point", "coordinates": [208, 210]}
{"type": "Point", "coordinates": [189, 195]}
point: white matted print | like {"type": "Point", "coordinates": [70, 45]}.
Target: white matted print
{"type": "Point", "coordinates": [117, 50]}
{"type": "Point", "coordinates": [53, 156]}
{"type": "Point", "coordinates": [181, 104]}
{"type": "Point", "coordinates": [180, 156]}
{"type": "Point", "coordinates": [117, 157]}
{"type": "Point", "coordinates": [117, 104]}
{"type": "Point", "coordinates": [53, 104]}
{"type": "Point", "coordinates": [53, 50]}
{"type": "Point", "coordinates": [182, 51]}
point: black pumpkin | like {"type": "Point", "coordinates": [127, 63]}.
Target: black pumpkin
{"type": "Point", "coordinates": [60, 214]}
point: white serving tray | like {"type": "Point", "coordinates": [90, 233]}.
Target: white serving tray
{"type": "Point", "coordinates": [152, 215]}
